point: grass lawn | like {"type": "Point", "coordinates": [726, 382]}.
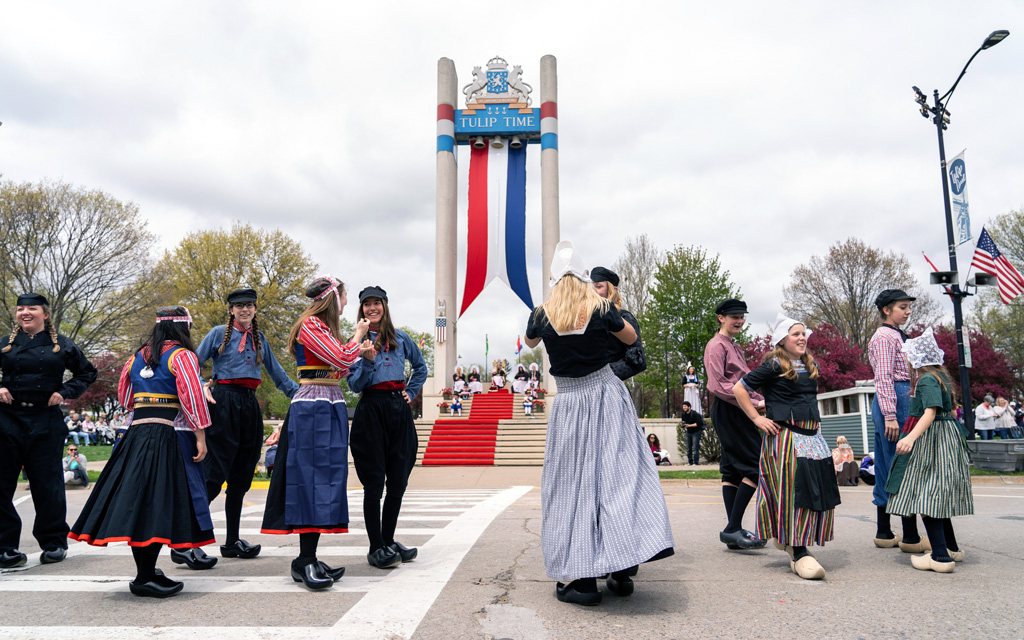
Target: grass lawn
{"type": "Point", "coordinates": [707, 474]}
{"type": "Point", "coordinates": [93, 453]}
{"type": "Point", "coordinates": [979, 472]}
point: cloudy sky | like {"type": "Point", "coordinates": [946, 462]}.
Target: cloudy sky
{"type": "Point", "coordinates": [761, 131]}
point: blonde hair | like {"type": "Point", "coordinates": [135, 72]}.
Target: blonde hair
{"type": "Point", "coordinates": [788, 372]}
{"type": "Point", "coordinates": [614, 297]}
{"type": "Point", "coordinates": [326, 309]}
{"type": "Point", "coordinates": [571, 304]}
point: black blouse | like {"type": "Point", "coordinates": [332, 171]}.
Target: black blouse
{"type": "Point", "coordinates": [32, 372]}
{"type": "Point", "coordinates": [580, 353]}
{"type": "Point", "coordinates": [785, 400]}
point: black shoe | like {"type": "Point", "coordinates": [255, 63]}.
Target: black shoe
{"type": "Point", "coordinates": [568, 593]}
{"type": "Point", "coordinates": [404, 552]}
{"type": "Point", "coordinates": [737, 540]}
{"type": "Point", "coordinates": [619, 584]}
{"type": "Point", "coordinates": [51, 556]}
{"type": "Point", "coordinates": [194, 558]}
{"type": "Point", "coordinates": [327, 570]}
{"type": "Point", "coordinates": [159, 587]}
{"type": "Point", "coordinates": [633, 570]}
{"type": "Point", "coordinates": [384, 558]}
{"type": "Point", "coordinates": [312, 576]}
{"type": "Point", "coordinates": [12, 558]}
{"type": "Point", "coordinates": [240, 549]}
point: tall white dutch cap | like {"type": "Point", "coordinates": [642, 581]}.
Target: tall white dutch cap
{"type": "Point", "coordinates": [783, 324]}
{"type": "Point", "coordinates": [567, 261]}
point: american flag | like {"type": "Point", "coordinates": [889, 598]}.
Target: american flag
{"type": "Point", "coordinates": [988, 259]}
{"type": "Point", "coordinates": [442, 325]}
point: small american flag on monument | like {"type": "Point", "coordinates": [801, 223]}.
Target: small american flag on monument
{"type": "Point", "coordinates": [442, 324]}
{"type": "Point", "coordinates": [988, 259]}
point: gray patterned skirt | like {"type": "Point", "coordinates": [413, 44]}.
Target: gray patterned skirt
{"type": "Point", "coordinates": [601, 502]}
{"type": "Point", "coordinates": [934, 479]}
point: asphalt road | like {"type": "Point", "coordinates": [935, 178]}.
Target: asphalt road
{"type": "Point", "coordinates": [480, 575]}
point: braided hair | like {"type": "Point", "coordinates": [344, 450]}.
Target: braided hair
{"type": "Point", "coordinates": [47, 326]}
{"type": "Point", "coordinates": [256, 342]}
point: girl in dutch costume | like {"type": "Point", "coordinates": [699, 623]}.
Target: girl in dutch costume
{"type": "Point", "coordinates": [594, 522]}
{"type": "Point", "coordinates": [797, 492]}
{"type": "Point", "coordinates": [33, 360]}
{"type": "Point", "coordinates": [308, 490]}
{"type": "Point", "coordinates": [235, 438]}
{"type": "Point", "coordinates": [384, 442]}
{"type": "Point", "coordinates": [930, 474]}
{"type": "Point", "coordinates": [152, 491]}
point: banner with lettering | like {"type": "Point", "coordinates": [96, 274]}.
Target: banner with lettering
{"type": "Point", "coordinates": [958, 199]}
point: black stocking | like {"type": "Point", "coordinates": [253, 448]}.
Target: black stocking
{"type": "Point", "coordinates": [729, 498]}
{"type": "Point", "coordinates": [145, 562]}
{"type": "Point", "coordinates": [307, 548]}
{"type": "Point", "coordinates": [744, 493]}
{"type": "Point", "coordinates": [371, 518]}
{"type": "Point", "coordinates": [947, 529]}
{"type": "Point", "coordinates": [937, 536]}
{"type": "Point", "coordinates": [392, 505]}
{"type": "Point", "coordinates": [884, 524]}
{"type": "Point", "coordinates": [910, 533]}
{"type": "Point", "coordinates": [233, 515]}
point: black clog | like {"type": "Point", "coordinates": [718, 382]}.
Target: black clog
{"type": "Point", "coordinates": [12, 558]}
{"type": "Point", "coordinates": [620, 584]}
{"type": "Point", "coordinates": [159, 587]}
{"type": "Point", "coordinates": [195, 558]}
{"type": "Point", "coordinates": [384, 558]}
{"type": "Point", "coordinates": [312, 576]}
{"type": "Point", "coordinates": [740, 540]}
{"type": "Point", "coordinates": [334, 574]}
{"type": "Point", "coordinates": [51, 556]}
{"type": "Point", "coordinates": [404, 552]}
{"type": "Point", "coordinates": [568, 593]}
{"type": "Point", "coordinates": [240, 549]}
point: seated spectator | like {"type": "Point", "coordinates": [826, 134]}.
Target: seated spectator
{"type": "Point", "coordinates": [660, 455]}
{"type": "Point", "coordinates": [89, 430]}
{"type": "Point", "coordinates": [847, 472]}
{"type": "Point", "coordinates": [74, 423]}
{"type": "Point", "coordinates": [74, 467]}
{"type": "Point", "coordinates": [867, 469]}
{"type": "Point", "coordinates": [104, 432]}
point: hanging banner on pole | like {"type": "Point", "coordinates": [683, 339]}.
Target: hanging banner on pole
{"type": "Point", "coordinates": [958, 197]}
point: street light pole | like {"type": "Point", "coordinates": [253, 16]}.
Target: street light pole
{"type": "Point", "coordinates": [956, 294]}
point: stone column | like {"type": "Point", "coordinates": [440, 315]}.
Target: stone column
{"type": "Point", "coordinates": [548, 180]}
{"type": "Point", "coordinates": [446, 238]}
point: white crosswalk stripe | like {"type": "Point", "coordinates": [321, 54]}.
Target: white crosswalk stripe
{"type": "Point", "coordinates": [450, 522]}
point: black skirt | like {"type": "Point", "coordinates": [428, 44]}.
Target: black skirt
{"type": "Point", "coordinates": [143, 497]}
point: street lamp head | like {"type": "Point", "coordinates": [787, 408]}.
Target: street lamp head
{"type": "Point", "coordinates": [995, 38]}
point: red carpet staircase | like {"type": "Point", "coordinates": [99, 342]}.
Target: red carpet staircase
{"type": "Point", "coordinates": [469, 441]}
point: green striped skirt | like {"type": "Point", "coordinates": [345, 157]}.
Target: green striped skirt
{"type": "Point", "coordinates": [933, 479]}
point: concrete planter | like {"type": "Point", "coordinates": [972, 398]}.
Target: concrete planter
{"type": "Point", "coordinates": [997, 455]}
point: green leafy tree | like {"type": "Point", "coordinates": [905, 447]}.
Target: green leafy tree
{"type": "Point", "coordinates": [680, 319]}
{"type": "Point", "coordinates": [207, 265]}
{"type": "Point", "coordinates": [840, 288]}
{"type": "Point", "coordinates": [88, 252]}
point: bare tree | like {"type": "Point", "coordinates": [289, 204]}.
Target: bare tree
{"type": "Point", "coordinates": [86, 251]}
{"type": "Point", "coordinates": [636, 268]}
{"type": "Point", "coordinates": [840, 288]}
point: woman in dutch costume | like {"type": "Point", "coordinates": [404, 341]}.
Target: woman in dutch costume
{"type": "Point", "coordinates": [235, 438]}
{"type": "Point", "coordinates": [458, 380]}
{"type": "Point", "coordinates": [152, 491]}
{"type": "Point", "coordinates": [521, 382]}
{"type": "Point", "coordinates": [626, 360]}
{"type": "Point", "coordinates": [308, 490]}
{"type": "Point", "coordinates": [593, 522]}
{"type": "Point", "coordinates": [32, 431]}
{"type": "Point", "coordinates": [930, 475]}
{"type": "Point", "coordinates": [797, 490]}
{"type": "Point", "coordinates": [384, 442]}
